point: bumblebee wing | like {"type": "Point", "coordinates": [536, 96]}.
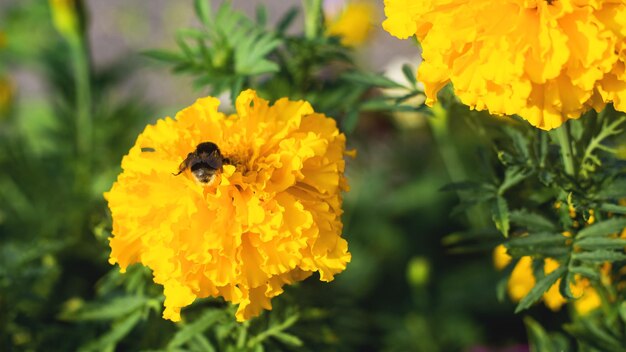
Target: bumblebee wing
{"type": "Point", "coordinates": [183, 166]}
{"type": "Point", "coordinates": [215, 160]}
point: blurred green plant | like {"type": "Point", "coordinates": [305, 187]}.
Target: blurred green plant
{"type": "Point", "coordinates": [231, 52]}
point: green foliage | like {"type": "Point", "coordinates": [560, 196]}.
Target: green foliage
{"type": "Point", "coordinates": [231, 52]}
{"type": "Point", "coordinates": [576, 218]}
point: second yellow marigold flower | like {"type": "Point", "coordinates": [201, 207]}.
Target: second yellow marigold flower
{"type": "Point", "coordinates": [547, 61]}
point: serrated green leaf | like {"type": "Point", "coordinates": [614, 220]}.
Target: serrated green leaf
{"type": "Point", "coordinates": [531, 221]}
{"type": "Point", "coordinates": [539, 289]}
{"type": "Point", "coordinates": [512, 176]}
{"type": "Point", "coordinates": [591, 243]}
{"type": "Point", "coordinates": [540, 252]}
{"type": "Point", "coordinates": [534, 240]}
{"type": "Point", "coordinates": [198, 326]}
{"type": "Point", "coordinates": [500, 215]}
{"type": "Point", "coordinates": [600, 256]}
{"type": "Point", "coordinates": [603, 228]}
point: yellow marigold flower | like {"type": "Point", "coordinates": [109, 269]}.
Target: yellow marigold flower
{"type": "Point", "coordinates": [547, 61]}
{"type": "Point", "coordinates": [522, 280]}
{"type": "Point", "coordinates": [588, 302]}
{"type": "Point", "coordinates": [353, 24]}
{"type": "Point", "coordinates": [500, 257]}
{"type": "Point", "coordinates": [269, 215]}
{"type": "Point", "coordinates": [552, 298]}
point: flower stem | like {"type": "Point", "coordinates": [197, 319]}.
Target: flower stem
{"type": "Point", "coordinates": [313, 18]}
{"type": "Point", "coordinates": [562, 134]}
{"type": "Point", "coordinates": [83, 97]}
{"type": "Point", "coordinates": [477, 216]}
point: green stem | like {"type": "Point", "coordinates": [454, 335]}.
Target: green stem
{"type": "Point", "coordinates": [84, 133]}
{"type": "Point", "coordinates": [562, 134]}
{"type": "Point", "coordinates": [313, 18]}
{"type": "Point", "coordinates": [243, 335]}
{"type": "Point", "coordinates": [476, 216]}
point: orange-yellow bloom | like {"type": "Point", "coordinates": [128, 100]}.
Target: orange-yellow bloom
{"type": "Point", "coordinates": [522, 280]}
{"type": "Point", "coordinates": [270, 218]}
{"type": "Point", "coordinates": [547, 61]}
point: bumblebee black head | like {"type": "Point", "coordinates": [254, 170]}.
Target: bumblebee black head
{"type": "Point", "coordinates": [204, 162]}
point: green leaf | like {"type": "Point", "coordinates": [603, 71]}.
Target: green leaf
{"type": "Point", "coordinates": [115, 308]}
{"type": "Point", "coordinates": [603, 228]}
{"type": "Point", "coordinates": [591, 333]}
{"type": "Point", "coordinates": [274, 330]}
{"type": "Point", "coordinates": [540, 288]}
{"type": "Point", "coordinates": [500, 215]}
{"type": "Point", "coordinates": [251, 51]}
{"type": "Point", "coordinates": [600, 256]}
{"type": "Point", "coordinates": [164, 55]}
{"type": "Point", "coordinates": [512, 176]}
{"type": "Point", "coordinates": [613, 208]}
{"type": "Point", "coordinates": [591, 243]}
{"type": "Point", "coordinates": [564, 286]}
{"type": "Point", "coordinates": [203, 11]}
{"type": "Point", "coordinates": [534, 240]}
{"type": "Point", "coordinates": [520, 142]}
{"type": "Point", "coordinates": [615, 189]}
{"type": "Point", "coordinates": [288, 339]}
{"type": "Point", "coordinates": [198, 326]}
{"type": "Point", "coordinates": [585, 271]}
{"type": "Point", "coordinates": [350, 121]}
{"type": "Point", "coordinates": [409, 73]}
{"type": "Point", "coordinates": [287, 19]}
{"type": "Point", "coordinates": [371, 80]}
{"type": "Point", "coordinates": [119, 329]}
{"type": "Point", "coordinates": [261, 15]}
{"type": "Point", "coordinates": [542, 147]}
{"type": "Point", "coordinates": [538, 338]}
{"type": "Point", "coordinates": [531, 221]}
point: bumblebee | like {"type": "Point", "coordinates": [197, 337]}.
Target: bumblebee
{"type": "Point", "coordinates": [204, 162]}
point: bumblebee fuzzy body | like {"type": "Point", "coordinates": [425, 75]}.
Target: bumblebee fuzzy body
{"type": "Point", "coordinates": [204, 162]}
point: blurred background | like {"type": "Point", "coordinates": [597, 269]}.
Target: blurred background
{"type": "Point", "coordinates": [405, 290]}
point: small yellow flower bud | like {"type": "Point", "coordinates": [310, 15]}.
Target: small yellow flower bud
{"type": "Point", "coordinates": [64, 17]}
{"type": "Point", "coordinates": [418, 271]}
